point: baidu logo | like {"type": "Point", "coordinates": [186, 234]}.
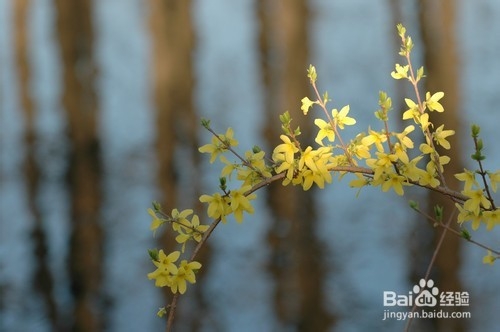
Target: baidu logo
{"type": "Point", "coordinates": [423, 294]}
{"type": "Point", "coordinates": [427, 293]}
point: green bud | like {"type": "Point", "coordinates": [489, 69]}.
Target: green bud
{"type": "Point", "coordinates": [161, 312]}
{"type": "Point", "coordinates": [311, 73]}
{"type": "Point", "coordinates": [285, 118]}
{"type": "Point", "coordinates": [222, 185]}
{"type": "Point", "coordinates": [438, 212]}
{"type": "Point", "coordinates": [156, 206]}
{"type": "Point", "coordinates": [153, 254]}
{"type": "Point", "coordinates": [401, 30]}
{"type": "Point", "coordinates": [325, 97]}
{"type": "Point", "coordinates": [475, 129]}
{"type": "Point", "coordinates": [205, 123]}
{"type": "Point", "coordinates": [256, 149]}
{"type": "Point", "coordinates": [465, 234]}
{"type": "Point", "coordinates": [413, 205]}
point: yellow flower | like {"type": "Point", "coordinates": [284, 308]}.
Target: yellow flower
{"type": "Point", "coordinates": [489, 258]}
{"type": "Point", "coordinates": [428, 177]}
{"type": "Point", "coordinates": [255, 168]}
{"type": "Point", "coordinates": [307, 158]}
{"type": "Point", "coordinates": [404, 139]}
{"type": "Point", "coordinates": [442, 160]}
{"type": "Point", "coordinates": [378, 170]}
{"type": "Point", "coordinates": [476, 201]}
{"type": "Point", "coordinates": [359, 182]}
{"type": "Point", "coordinates": [374, 138]}
{"type": "Point", "coordinates": [395, 182]}
{"type": "Point", "coordinates": [400, 152]}
{"type": "Point", "coordinates": [287, 148]}
{"type": "Point", "coordinates": [185, 273]}
{"type": "Point", "coordinates": [320, 176]}
{"type": "Point", "coordinates": [306, 105]}
{"type": "Point", "coordinates": [386, 160]}
{"type": "Point", "coordinates": [465, 215]}
{"type": "Point", "coordinates": [219, 144]}
{"type": "Point", "coordinates": [228, 138]}
{"type": "Point", "coordinates": [156, 222]}
{"type": "Point", "coordinates": [228, 169]}
{"type": "Point", "coordinates": [325, 130]}
{"type": "Point", "coordinates": [165, 268]}
{"type": "Point", "coordinates": [400, 72]}
{"type": "Point", "coordinates": [468, 177]}
{"type": "Point", "coordinates": [491, 218]}
{"type": "Point", "coordinates": [412, 112]}
{"type": "Point", "coordinates": [240, 203]}
{"type": "Point", "coordinates": [494, 180]}
{"type": "Point", "coordinates": [192, 231]}
{"type": "Point", "coordinates": [432, 102]}
{"type": "Point", "coordinates": [179, 219]}
{"type": "Point", "coordinates": [313, 167]}
{"type": "Point", "coordinates": [426, 148]}
{"type": "Point", "coordinates": [218, 206]}
{"type": "Point", "coordinates": [285, 166]}
{"type": "Point", "coordinates": [423, 120]}
{"type": "Point", "coordinates": [358, 149]}
{"type": "Point", "coordinates": [410, 169]}
{"type": "Point", "coordinates": [341, 119]}
{"type": "Point", "coordinates": [440, 136]}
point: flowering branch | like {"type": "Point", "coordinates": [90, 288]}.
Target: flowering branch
{"type": "Point", "coordinates": [377, 158]}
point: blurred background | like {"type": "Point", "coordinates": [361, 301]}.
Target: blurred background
{"type": "Point", "coordinates": [100, 105]}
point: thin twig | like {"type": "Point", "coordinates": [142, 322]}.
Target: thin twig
{"type": "Point", "coordinates": [322, 104]}
{"type": "Point", "coordinates": [482, 172]}
{"type": "Point", "coordinates": [431, 264]}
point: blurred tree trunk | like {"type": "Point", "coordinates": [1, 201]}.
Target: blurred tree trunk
{"type": "Point", "coordinates": [75, 34]}
{"type": "Point", "coordinates": [296, 263]}
{"type": "Point", "coordinates": [173, 40]}
{"type": "Point", "coordinates": [437, 22]}
{"type": "Point", "coordinates": [42, 278]}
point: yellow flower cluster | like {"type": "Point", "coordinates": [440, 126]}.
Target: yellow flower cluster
{"type": "Point", "coordinates": [236, 201]}
{"type": "Point", "coordinates": [310, 166]}
{"type": "Point", "coordinates": [167, 273]}
{"type": "Point", "coordinates": [173, 276]}
{"type": "Point", "coordinates": [250, 170]}
{"type": "Point", "coordinates": [479, 207]}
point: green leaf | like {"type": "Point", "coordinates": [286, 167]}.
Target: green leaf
{"type": "Point", "coordinates": [478, 156]}
{"type": "Point", "coordinates": [420, 73]}
{"type": "Point", "coordinates": [479, 144]}
{"type": "Point", "coordinates": [325, 98]}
